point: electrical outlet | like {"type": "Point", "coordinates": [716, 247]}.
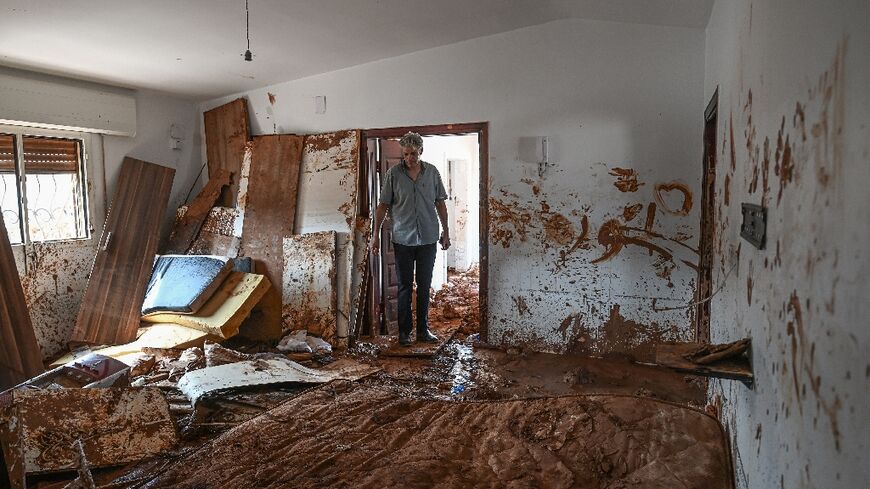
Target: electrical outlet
{"type": "Point", "coordinates": [754, 226]}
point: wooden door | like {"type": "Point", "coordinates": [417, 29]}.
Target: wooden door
{"type": "Point", "coordinates": [390, 155]}
{"type": "Point", "coordinates": [112, 304]}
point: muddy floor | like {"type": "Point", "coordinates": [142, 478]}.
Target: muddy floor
{"type": "Point", "coordinates": [350, 435]}
{"type": "Point", "coordinates": [468, 415]}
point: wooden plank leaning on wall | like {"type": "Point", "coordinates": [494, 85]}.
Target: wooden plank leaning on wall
{"type": "Point", "coordinates": [187, 227]}
{"type": "Point", "coordinates": [112, 304]}
{"type": "Point", "coordinates": [20, 357]}
{"type": "Point", "coordinates": [227, 131]}
{"type": "Point", "coordinates": [270, 214]}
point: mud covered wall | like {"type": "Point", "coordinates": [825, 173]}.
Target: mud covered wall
{"type": "Point", "coordinates": [54, 275]}
{"type": "Point", "coordinates": [587, 256]}
{"type": "Point", "coordinates": [794, 136]}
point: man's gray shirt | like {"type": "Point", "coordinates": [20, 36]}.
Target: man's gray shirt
{"type": "Point", "coordinates": [412, 204]}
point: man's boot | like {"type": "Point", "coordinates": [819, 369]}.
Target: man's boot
{"type": "Point", "coordinates": [425, 336]}
{"type": "Point", "coordinates": [404, 338]}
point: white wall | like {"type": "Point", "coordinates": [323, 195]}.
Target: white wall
{"type": "Point", "coordinates": [804, 299]}
{"type": "Point", "coordinates": [155, 113]}
{"type": "Point", "coordinates": [609, 95]}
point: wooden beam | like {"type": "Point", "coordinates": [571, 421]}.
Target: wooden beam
{"type": "Point", "coordinates": [674, 356]}
{"type": "Point", "coordinates": [187, 226]}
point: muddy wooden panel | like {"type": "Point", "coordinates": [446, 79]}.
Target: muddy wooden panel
{"type": "Point", "coordinates": [20, 357]}
{"type": "Point", "coordinates": [188, 224]}
{"type": "Point", "coordinates": [112, 303]}
{"type": "Point", "coordinates": [309, 299]}
{"type": "Point", "coordinates": [269, 216]}
{"type": "Point", "coordinates": [217, 235]}
{"type": "Point", "coordinates": [116, 426]}
{"type": "Point", "coordinates": [328, 201]}
{"type": "Point", "coordinates": [227, 130]}
{"type": "Point", "coordinates": [54, 282]}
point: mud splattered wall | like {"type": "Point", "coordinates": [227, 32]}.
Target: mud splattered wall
{"type": "Point", "coordinates": [54, 275]}
{"type": "Point", "coordinates": [610, 96]}
{"type": "Point", "coordinates": [794, 126]}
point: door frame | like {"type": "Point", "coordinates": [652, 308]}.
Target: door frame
{"type": "Point", "coordinates": [707, 225]}
{"type": "Point", "coordinates": [482, 131]}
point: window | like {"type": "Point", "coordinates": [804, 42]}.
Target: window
{"type": "Point", "coordinates": [42, 187]}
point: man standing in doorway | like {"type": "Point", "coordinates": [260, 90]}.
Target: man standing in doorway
{"type": "Point", "coordinates": [414, 194]}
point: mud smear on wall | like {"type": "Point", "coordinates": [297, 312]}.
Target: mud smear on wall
{"type": "Point", "coordinates": [522, 307]}
{"type": "Point", "coordinates": [626, 179]}
{"type": "Point", "coordinates": [618, 336]}
{"type": "Point", "coordinates": [663, 188]}
{"type": "Point", "coordinates": [629, 212]}
{"type": "Point", "coordinates": [506, 219]}
{"type": "Point", "coordinates": [803, 364]}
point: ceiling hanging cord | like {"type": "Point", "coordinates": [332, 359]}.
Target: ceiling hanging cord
{"type": "Point", "coordinates": [248, 56]}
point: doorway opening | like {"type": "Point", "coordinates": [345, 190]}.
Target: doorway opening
{"type": "Point", "coordinates": [458, 294]}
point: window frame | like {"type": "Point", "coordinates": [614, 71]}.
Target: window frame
{"type": "Point", "coordinates": [84, 139]}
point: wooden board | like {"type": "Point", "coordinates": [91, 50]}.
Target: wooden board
{"type": "Point", "coordinates": [269, 216]}
{"type": "Point", "coordinates": [309, 298]}
{"type": "Point", "coordinates": [115, 426]}
{"type": "Point", "coordinates": [109, 314]}
{"type": "Point", "coordinates": [671, 356]}
{"type": "Point", "coordinates": [225, 311]}
{"type": "Point", "coordinates": [227, 131]}
{"type": "Point", "coordinates": [187, 226]}
{"type": "Point", "coordinates": [20, 357]}
{"type": "Point", "coordinates": [159, 335]}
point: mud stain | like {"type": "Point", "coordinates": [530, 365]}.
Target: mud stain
{"type": "Point", "coordinates": [663, 188]}
{"type": "Point", "coordinates": [613, 237]}
{"type": "Point", "coordinates": [621, 335]}
{"type": "Point", "coordinates": [522, 306]}
{"type": "Point", "coordinates": [650, 217]}
{"type": "Point", "coordinates": [581, 241]}
{"type": "Point", "coordinates": [508, 219]}
{"type": "Point", "coordinates": [803, 363]}
{"type": "Point", "coordinates": [629, 212]}
{"type": "Point", "coordinates": [557, 229]}
{"type": "Point", "coordinates": [626, 179]}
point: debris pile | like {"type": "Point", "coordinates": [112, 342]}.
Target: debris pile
{"type": "Point", "coordinates": [458, 302]}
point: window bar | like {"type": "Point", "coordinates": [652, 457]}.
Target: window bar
{"type": "Point", "coordinates": [22, 195]}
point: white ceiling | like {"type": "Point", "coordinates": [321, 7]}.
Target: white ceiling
{"type": "Point", "coordinates": [193, 48]}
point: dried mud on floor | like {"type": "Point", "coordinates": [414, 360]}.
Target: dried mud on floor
{"type": "Point", "coordinates": [349, 435]}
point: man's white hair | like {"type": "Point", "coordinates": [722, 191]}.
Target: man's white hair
{"type": "Point", "coordinates": [412, 139]}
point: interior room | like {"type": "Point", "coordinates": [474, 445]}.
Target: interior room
{"type": "Point", "coordinates": [641, 225]}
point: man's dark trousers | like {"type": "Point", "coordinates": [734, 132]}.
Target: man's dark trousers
{"type": "Point", "coordinates": [407, 257]}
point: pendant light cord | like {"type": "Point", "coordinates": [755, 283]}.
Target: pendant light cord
{"type": "Point", "coordinates": [247, 25]}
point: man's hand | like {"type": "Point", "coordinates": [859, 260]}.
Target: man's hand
{"type": "Point", "coordinates": [376, 245]}
{"type": "Point", "coordinates": [445, 241]}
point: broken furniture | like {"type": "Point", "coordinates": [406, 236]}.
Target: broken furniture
{"type": "Point", "coordinates": [114, 426]}
{"type": "Point", "coordinates": [252, 373]}
{"type": "Point", "coordinates": [183, 283]}
{"type": "Point", "coordinates": [90, 371]}
{"type": "Point", "coordinates": [222, 315]}
{"type": "Point", "coordinates": [727, 361]}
